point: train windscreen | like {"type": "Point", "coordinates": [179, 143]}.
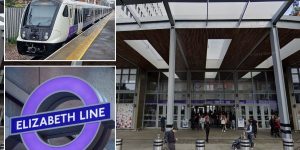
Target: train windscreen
{"type": "Point", "coordinates": [41, 13]}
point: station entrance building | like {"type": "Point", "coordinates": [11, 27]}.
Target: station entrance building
{"type": "Point", "coordinates": [179, 58]}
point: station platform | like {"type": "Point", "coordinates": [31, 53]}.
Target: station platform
{"type": "Point", "coordinates": [136, 140]}
{"type": "Point", "coordinates": [103, 48]}
{"type": "Point", "coordinates": [91, 44]}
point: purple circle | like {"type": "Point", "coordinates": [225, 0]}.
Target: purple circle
{"type": "Point", "coordinates": [66, 84]}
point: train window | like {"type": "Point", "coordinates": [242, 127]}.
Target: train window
{"type": "Point", "coordinates": [71, 12]}
{"type": "Point", "coordinates": [26, 13]}
{"type": "Point", "coordinates": [76, 17]}
{"type": "Point", "coordinates": [65, 12]}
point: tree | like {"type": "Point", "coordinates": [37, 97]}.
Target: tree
{"type": "Point", "coordinates": [10, 3]}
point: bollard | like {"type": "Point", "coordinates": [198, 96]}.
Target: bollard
{"type": "Point", "coordinates": [158, 144]}
{"type": "Point", "coordinates": [119, 144]}
{"type": "Point", "coordinates": [200, 144]}
{"type": "Point", "coordinates": [288, 144]}
{"type": "Point", "coordinates": [245, 144]}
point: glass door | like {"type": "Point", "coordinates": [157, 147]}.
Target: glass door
{"type": "Point", "coordinates": [260, 113]}
{"type": "Point", "coordinates": [178, 116]}
{"type": "Point", "coordinates": [162, 111]}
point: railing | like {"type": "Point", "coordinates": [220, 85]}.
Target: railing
{"type": "Point", "coordinates": [13, 18]}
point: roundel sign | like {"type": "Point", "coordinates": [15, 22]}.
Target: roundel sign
{"type": "Point", "coordinates": [90, 115]}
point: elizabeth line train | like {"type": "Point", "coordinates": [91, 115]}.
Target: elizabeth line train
{"type": "Point", "coordinates": [47, 24]}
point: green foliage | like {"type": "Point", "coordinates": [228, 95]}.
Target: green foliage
{"type": "Point", "coordinates": [12, 40]}
{"type": "Point", "coordinates": [13, 3]}
{"type": "Point", "coordinates": [10, 3]}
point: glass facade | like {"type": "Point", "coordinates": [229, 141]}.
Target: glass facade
{"type": "Point", "coordinates": [246, 94]}
{"type": "Point", "coordinates": [126, 86]}
{"type": "Point", "coordinates": [295, 72]}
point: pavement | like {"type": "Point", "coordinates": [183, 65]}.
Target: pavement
{"type": "Point", "coordinates": [103, 47]}
{"type": "Point", "coordinates": [11, 53]}
{"type": "Point", "coordinates": [77, 48]}
{"type": "Point", "coordinates": [137, 140]}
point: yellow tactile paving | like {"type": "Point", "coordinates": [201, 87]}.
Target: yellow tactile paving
{"type": "Point", "coordinates": [75, 49]}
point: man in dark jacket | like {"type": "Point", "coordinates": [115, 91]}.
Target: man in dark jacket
{"type": "Point", "coordinates": [254, 126]}
{"type": "Point", "coordinates": [163, 123]}
{"type": "Point", "coordinates": [207, 126]}
{"type": "Point", "coordinates": [272, 123]}
{"type": "Point", "coordinates": [171, 139]}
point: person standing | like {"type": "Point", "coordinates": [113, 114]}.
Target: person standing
{"type": "Point", "coordinates": [197, 126]}
{"type": "Point", "coordinates": [232, 121]}
{"type": "Point", "coordinates": [249, 132]}
{"type": "Point", "coordinates": [171, 139]}
{"type": "Point", "coordinates": [254, 126]}
{"type": "Point", "coordinates": [207, 126]}
{"type": "Point", "coordinates": [202, 122]}
{"type": "Point", "coordinates": [223, 123]}
{"type": "Point", "coordinates": [163, 123]}
{"type": "Point", "coordinates": [272, 122]}
{"type": "Point", "coordinates": [277, 127]}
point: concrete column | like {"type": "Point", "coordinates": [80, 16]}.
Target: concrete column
{"type": "Point", "coordinates": [189, 98]}
{"type": "Point", "coordinates": [280, 90]}
{"type": "Point", "coordinates": [236, 99]}
{"type": "Point", "coordinates": [140, 98]}
{"type": "Point", "coordinates": [171, 79]}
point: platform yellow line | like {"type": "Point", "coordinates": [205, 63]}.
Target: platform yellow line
{"type": "Point", "coordinates": [81, 49]}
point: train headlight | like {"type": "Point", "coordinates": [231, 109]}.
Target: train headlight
{"type": "Point", "coordinates": [23, 34]}
{"type": "Point", "coordinates": [46, 36]}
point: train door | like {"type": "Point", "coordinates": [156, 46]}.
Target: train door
{"type": "Point", "coordinates": [77, 19]}
{"type": "Point", "coordinates": [94, 15]}
{"type": "Point", "coordinates": [71, 21]}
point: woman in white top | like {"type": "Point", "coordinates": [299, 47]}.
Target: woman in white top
{"type": "Point", "coordinates": [223, 123]}
{"type": "Point", "coordinates": [202, 121]}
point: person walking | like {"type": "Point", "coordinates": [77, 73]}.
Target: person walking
{"type": "Point", "coordinates": [254, 126]}
{"type": "Point", "coordinates": [197, 125]}
{"type": "Point", "coordinates": [272, 122]}
{"type": "Point", "coordinates": [249, 132]}
{"type": "Point", "coordinates": [276, 127]}
{"type": "Point", "coordinates": [207, 126]}
{"type": "Point", "coordinates": [232, 121]}
{"type": "Point", "coordinates": [202, 122]}
{"type": "Point", "coordinates": [163, 123]}
{"type": "Point", "coordinates": [223, 123]}
{"type": "Point", "coordinates": [170, 138]}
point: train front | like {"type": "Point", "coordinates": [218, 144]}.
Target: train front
{"type": "Point", "coordinates": [36, 28]}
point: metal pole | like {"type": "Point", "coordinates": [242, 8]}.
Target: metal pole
{"type": "Point", "coordinates": [189, 98]}
{"type": "Point", "coordinates": [285, 126]}
{"type": "Point", "coordinates": [171, 79]}
{"type": "Point", "coordinates": [236, 99]}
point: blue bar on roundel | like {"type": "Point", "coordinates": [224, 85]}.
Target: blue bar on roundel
{"type": "Point", "coordinates": [60, 118]}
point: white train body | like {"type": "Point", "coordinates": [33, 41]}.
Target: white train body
{"type": "Point", "coordinates": [47, 24]}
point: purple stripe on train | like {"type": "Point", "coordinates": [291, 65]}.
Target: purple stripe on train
{"type": "Point", "coordinates": [72, 31]}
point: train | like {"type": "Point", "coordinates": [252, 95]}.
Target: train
{"type": "Point", "coordinates": [47, 24]}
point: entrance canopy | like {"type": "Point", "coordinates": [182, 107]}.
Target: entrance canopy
{"type": "Point", "coordinates": [214, 34]}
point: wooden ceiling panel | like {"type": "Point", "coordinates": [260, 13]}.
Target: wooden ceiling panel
{"type": "Point", "coordinates": [241, 44]}
{"type": "Point", "coordinates": [127, 53]}
{"type": "Point", "coordinates": [160, 40]}
{"type": "Point", "coordinates": [194, 43]}
{"type": "Point", "coordinates": [260, 54]}
{"type": "Point", "coordinates": [287, 35]}
{"type": "Point", "coordinates": [293, 60]}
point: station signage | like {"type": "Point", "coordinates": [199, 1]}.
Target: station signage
{"type": "Point", "coordinates": [90, 115]}
{"type": "Point", "coordinates": [62, 118]}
